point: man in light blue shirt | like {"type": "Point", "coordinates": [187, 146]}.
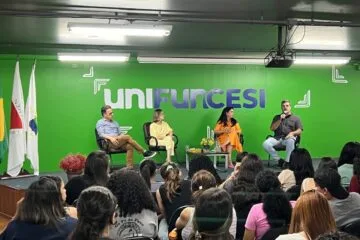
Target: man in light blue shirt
{"type": "Point", "coordinates": [109, 129]}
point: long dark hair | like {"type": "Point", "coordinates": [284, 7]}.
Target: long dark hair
{"type": "Point", "coordinates": [301, 164]}
{"type": "Point", "coordinates": [170, 172]}
{"type": "Point", "coordinates": [327, 162]}
{"type": "Point", "coordinates": [147, 170]}
{"type": "Point", "coordinates": [42, 204]}
{"type": "Point", "coordinates": [96, 207]}
{"type": "Point", "coordinates": [223, 118]}
{"type": "Point", "coordinates": [131, 192]}
{"type": "Point", "coordinates": [275, 203]}
{"type": "Point", "coordinates": [245, 191]}
{"type": "Point", "coordinates": [97, 168]}
{"type": "Point", "coordinates": [348, 153]}
{"type": "Point", "coordinates": [203, 162]}
{"type": "Point", "coordinates": [213, 215]}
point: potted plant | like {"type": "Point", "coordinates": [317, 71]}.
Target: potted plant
{"type": "Point", "coordinates": [206, 143]}
{"type": "Point", "coordinates": [73, 164]}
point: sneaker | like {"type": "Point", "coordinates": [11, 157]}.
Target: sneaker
{"type": "Point", "coordinates": [149, 154]}
{"type": "Point", "coordinates": [281, 163]}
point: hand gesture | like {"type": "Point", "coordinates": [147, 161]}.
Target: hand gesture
{"type": "Point", "coordinates": [290, 135]}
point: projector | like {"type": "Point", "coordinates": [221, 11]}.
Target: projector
{"type": "Point", "coordinates": [277, 60]}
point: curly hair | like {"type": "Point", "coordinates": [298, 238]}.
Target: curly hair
{"type": "Point", "coordinates": [96, 208]}
{"type": "Point", "coordinates": [223, 118]}
{"type": "Point", "coordinates": [275, 203]}
{"type": "Point", "coordinates": [170, 172]}
{"type": "Point", "coordinates": [131, 192]}
{"type": "Point", "coordinates": [203, 162]}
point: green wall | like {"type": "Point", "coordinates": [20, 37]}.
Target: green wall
{"type": "Point", "coordinates": [68, 108]}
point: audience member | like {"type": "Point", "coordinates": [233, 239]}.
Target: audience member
{"type": "Point", "coordinates": [96, 209]}
{"type": "Point", "coordinates": [136, 213]}
{"type": "Point", "coordinates": [273, 212]}
{"type": "Point", "coordinates": [213, 215]}
{"type": "Point", "coordinates": [228, 133]}
{"type": "Point", "coordinates": [203, 162]}
{"type": "Point", "coordinates": [345, 206]}
{"type": "Point", "coordinates": [201, 181]}
{"type": "Point", "coordinates": [148, 171]}
{"type": "Point", "coordinates": [40, 215]}
{"type": "Point", "coordinates": [96, 173]}
{"type": "Point", "coordinates": [174, 193]}
{"type": "Point", "coordinates": [163, 133]}
{"type": "Point", "coordinates": [310, 218]}
{"type": "Point", "coordinates": [245, 193]}
{"type": "Point", "coordinates": [71, 211]}
{"type": "Point", "coordinates": [327, 162]}
{"type": "Point", "coordinates": [346, 160]}
{"type": "Point", "coordinates": [300, 167]}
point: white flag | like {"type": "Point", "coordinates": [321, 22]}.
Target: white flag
{"type": "Point", "coordinates": [17, 128]}
{"type": "Point", "coordinates": [31, 125]}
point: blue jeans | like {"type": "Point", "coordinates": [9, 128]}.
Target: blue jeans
{"type": "Point", "coordinates": [269, 144]}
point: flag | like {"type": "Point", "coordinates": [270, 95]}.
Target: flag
{"type": "Point", "coordinates": [17, 130]}
{"type": "Point", "coordinates": [3, 136]}
{"type": "Point", "coordinates": [31, 125]}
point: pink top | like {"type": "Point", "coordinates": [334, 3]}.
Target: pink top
{"type": "Point", "coordinates": [257, 221]}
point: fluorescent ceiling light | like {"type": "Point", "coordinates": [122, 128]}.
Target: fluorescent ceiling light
{"type": "Point", "coordinates": [98, 29]}
{"type": "Point", "coordinates": [93, 57]}
{"type": "Point", "coordinates": [182, 60]}
{"type": "Point", "coordinates": [322, 60]}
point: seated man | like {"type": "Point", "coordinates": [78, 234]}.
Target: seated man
{"type": "Point", "coordinates": [109, 129]}
{"type": "Point", "coordinates": [345, 206]}
{"type": "Point", "coordinates": [286, 127]}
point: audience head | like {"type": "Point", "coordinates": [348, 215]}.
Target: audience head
{"type": "Point", "coordinates": [96, 211]}
{"type": "Point", "coordinates": [240, 156]}
{"type": "Point", "coordinates": [336, 236]}
{"type": "Point", "coordinates": [203, 162]}
{"type": "Point", "coordinates": [227, 112]}
{"type": "Point", "coordinates": [131, 192]}
{"type": "Point", "coordinates": [312, 214]}
{"type": "Point", "coordinates": [106, 112]}
{"type": "Point", "coordinates": [327, 162]}
{"type": "Point", "coordinates": [245, 191]}
{"type": "Point", "coordinates": [213, 214]}
{"type": "Point", "coordinates": [158, 115]}
{"type": "Point", "coordinates": [201, 181]}
{"type": "Point", "coordinates": [275, 203]}
{"type": "Point", "coordinates": [60, 185]}
{"type": "Point", "coordinates": [147, 170]}
{"type": "Point", "coordinates": [328, 182]}
{"type": "Point", "coordinates": [171, 173]}
{"type": "Point", "coordinates": [301, 164]}
{"type": "Point", "coordinates": [97, 168]}
{"type": "Point", "coordinates": [250, 166]}
{"type": "Point", "coordinates": [42, 204]}
{"type": "Point", "coordinates": [348, 153]}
